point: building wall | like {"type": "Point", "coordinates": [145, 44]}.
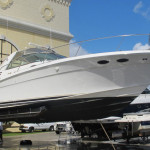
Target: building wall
{"type": "Point", "coordinates": [43, 22]}
{"type": "Point", "coordinates": [23, 38]}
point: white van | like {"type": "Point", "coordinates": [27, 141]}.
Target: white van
{"type": "Point", "coordinates": [30, 127]}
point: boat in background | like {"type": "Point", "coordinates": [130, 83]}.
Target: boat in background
{"type": "Point", "coordinates": [140, 104]}
{"type": "Point", "coordinates": [38, 85]}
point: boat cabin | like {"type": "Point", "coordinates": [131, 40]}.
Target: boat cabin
{"type": "Point", "coordinates": [29, 56]}
{"type": "Point", "coordinates": [24, 60]}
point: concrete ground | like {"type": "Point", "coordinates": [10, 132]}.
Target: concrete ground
{"type": "Point", "coordinates": [51, 141]}
{"type": "Point", "coordinates": [47, 140]}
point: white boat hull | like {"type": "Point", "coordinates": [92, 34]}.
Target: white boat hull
{"type": "Point", "coordinates": [78, 80]}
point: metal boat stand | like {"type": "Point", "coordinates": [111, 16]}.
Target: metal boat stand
{"type": "Point", "coordinates": [107, 135]}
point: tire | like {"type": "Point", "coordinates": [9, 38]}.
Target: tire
{"type": "Point", "coordinates": [26, 142]}
{"type": "Point", "coordinates": [51, 128]}
{"type": "Point", "coordinates": [23, 131]}
{"type": "Point", "coordinates": [31, 129]}
{"type": "Point", "coordinates": [57, 132]}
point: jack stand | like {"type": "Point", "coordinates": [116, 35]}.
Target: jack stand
{"type": "Point", "coordinates": [107, 136]}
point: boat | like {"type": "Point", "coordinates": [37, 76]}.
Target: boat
{"type": "Point", "coordinates": [136, 112]}
{"type": "Point", "coordinates": [40, 85]}
{"type": "Point", "coordinates": [139, 104]}
{"type": "Point", "coordinates": [135, 125]}
{"type": "Point", "coordinates": [93, 128]}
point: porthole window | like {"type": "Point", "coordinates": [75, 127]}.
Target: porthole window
{"type": "Point", "coordinates": [122, 60]}
{"type": "Point", "coordinates": [145, 59]}
{"type": "Point", "coordinates": [103, 62]}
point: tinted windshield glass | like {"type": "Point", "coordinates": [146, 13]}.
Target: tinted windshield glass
{"type": "Point", "coordinates": [146, 91]}
{"type": "Point", "coordinates": [31, 56]}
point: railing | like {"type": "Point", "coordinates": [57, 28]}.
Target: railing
{"type": "Point", "coordinates": [4, 54]}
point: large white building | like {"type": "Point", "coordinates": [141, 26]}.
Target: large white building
{"type": "Point", "coordinates": [43, 22]}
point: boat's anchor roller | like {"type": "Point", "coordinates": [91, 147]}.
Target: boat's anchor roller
{"type": "Point", "coordinates": [19, 113]}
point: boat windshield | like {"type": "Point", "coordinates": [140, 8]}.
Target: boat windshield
{"type": "Point", "coordinates": [32, 55]}
{"type": "Point", "coordinates": [146, 91]}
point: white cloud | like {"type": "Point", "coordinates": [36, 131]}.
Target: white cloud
{"type": "Point", "coordinates": [141, 9]}
{"type": "Point", "coordinates": [137, 7]}
{"type": "Point", "coordinates": [139, 46]}
{"type": "Point", "coordinates": [76, 49]}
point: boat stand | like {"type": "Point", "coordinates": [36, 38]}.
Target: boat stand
{"type": "Point", "coordinates": [107, 135]}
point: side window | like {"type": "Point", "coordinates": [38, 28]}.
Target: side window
{"type": "Point", "coordinates": [32, 58]}
{"type": "Point", "coordinates": [145, 123]}
{"type": "Point", "coordinates": [14, 64]}
{"type": "Point", "coordinates": [17, 62]}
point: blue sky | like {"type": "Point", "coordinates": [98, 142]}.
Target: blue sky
{"type": "Point", "coordinates": [101, 18]}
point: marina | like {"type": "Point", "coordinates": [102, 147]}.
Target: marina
{"type": "Point", "coordinates": [74, 75]}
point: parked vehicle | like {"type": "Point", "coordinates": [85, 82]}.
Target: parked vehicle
{"type": "Point", "coordinates": [37, 126]}
{"type": "Point", "coordinates": [63, 127]}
